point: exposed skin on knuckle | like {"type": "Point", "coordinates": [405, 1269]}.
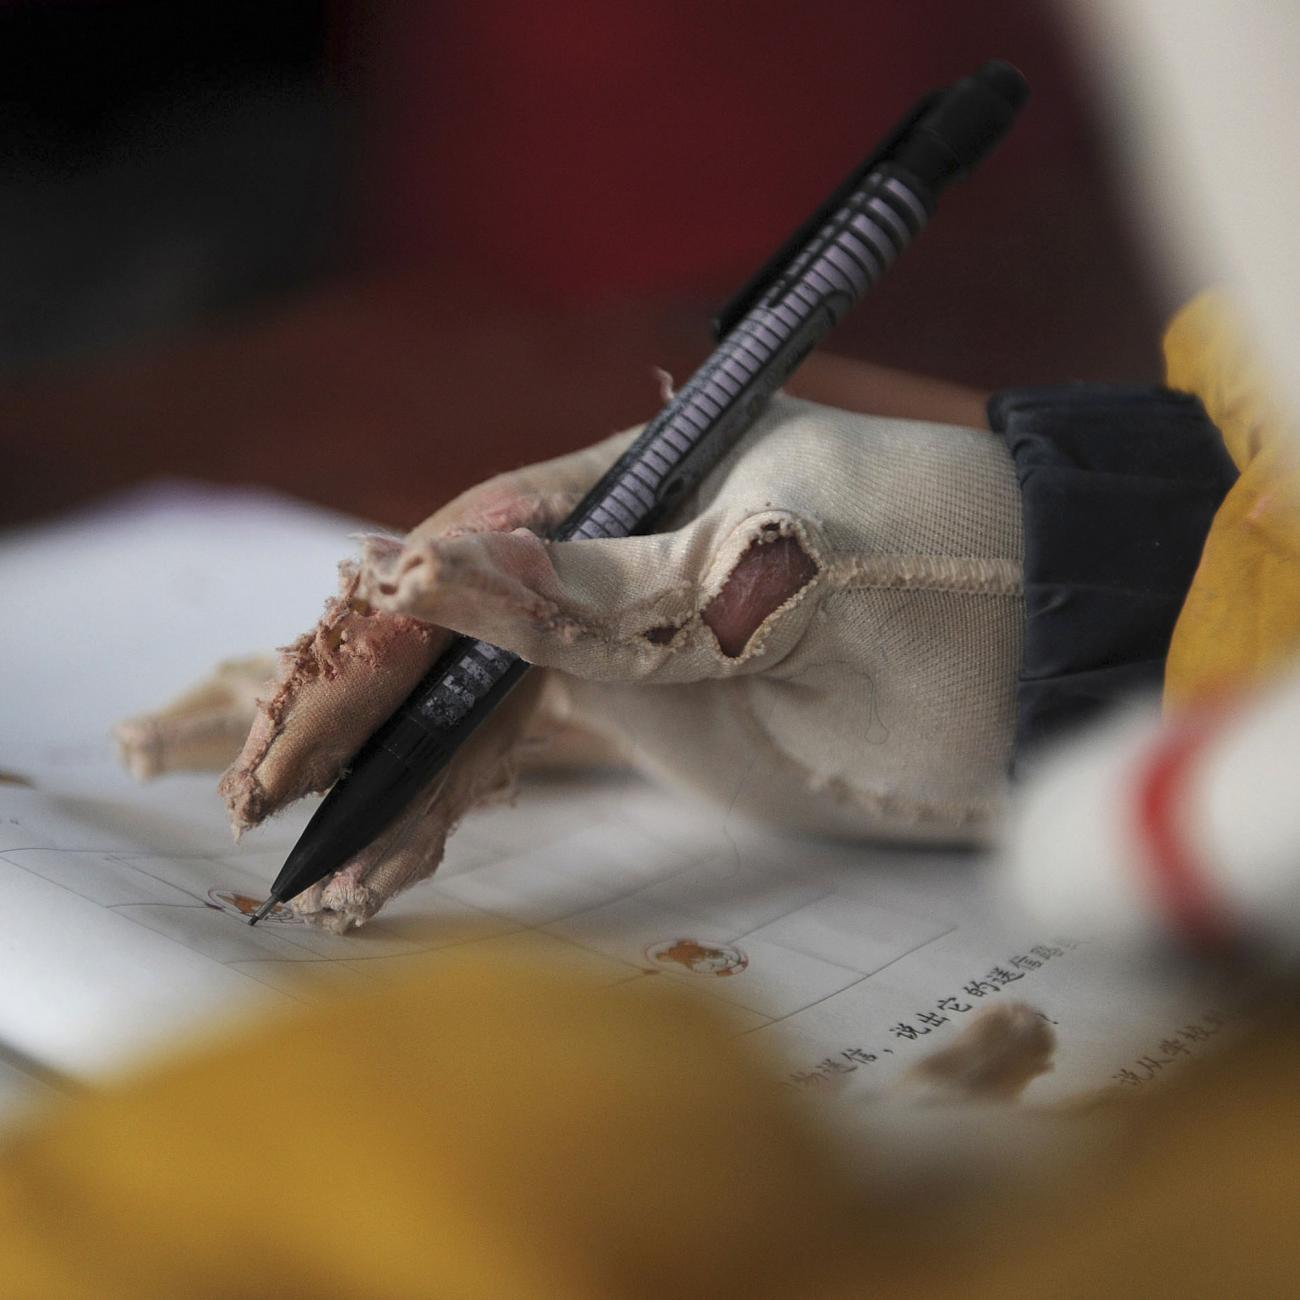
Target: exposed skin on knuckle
{"type": "Point", "coordinates": [739, 598]}
{"type": "Point", "coordinates": [773, 569]}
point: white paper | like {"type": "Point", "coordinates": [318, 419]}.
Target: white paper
{"type": "Point", "coordinates": [121, 926]}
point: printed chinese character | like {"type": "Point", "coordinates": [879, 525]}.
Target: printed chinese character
{"type": "Point", "coordinates": [1194, 1033]}
{"type": "Point", "coordinates": [931, 1018]}
{"type": "Point", "coordinates": [901, 1030]}
{"type": "Point", "coordinates": [832, 1066]}
{"type": "Point", "coordinates": [978, 988]}
{"type": "Point", "coordinates": [859, 1055]}
{"type": "Point", "coordinates": [1046, 951]}
{"type": "Point", "coordinates": [1025, 963]}
{"type": "Point", "coordinates": [1003, 976]}
{"type": "Point", "coordinates": [1152, 1065]}
{"type": "Point", "coordinates": [953, 1004]}
{"type": "Point", "coordinates": [1127, 1077]}
{"type": "Point", "coordinates": [806, 1078]}
{"type": "Point", "coordinates": [1174, 1047]}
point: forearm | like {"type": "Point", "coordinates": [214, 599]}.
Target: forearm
{"type": "Point", "coordinates": [879, 390]}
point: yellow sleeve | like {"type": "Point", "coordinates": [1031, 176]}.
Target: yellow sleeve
{"type": "Point", "coordinates": [1241, 619]}
{"type": "Point", "coordinates": [479, 1130]}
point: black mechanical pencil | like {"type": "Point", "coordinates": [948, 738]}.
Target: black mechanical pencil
{"type": "Point", "coordinates": [804, 289]}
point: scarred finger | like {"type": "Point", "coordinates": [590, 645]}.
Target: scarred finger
{"type": "Point", "coordinates": [339, 681]}
{"type": "Point", "coordinates": [336, 684]}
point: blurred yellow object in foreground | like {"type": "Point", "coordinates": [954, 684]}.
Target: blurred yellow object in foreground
{"type": "Point", "coordinates": [488, 1130]}
{"type": "Point", "coordinates": [1241, 619]}
{"type": "Point", "coordinates": [478, 1130]}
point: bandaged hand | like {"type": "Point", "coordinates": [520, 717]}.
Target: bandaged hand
{"type": "Point", "coordinates": [824, 636]}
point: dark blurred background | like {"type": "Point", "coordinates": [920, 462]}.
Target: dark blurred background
{"type": "Point", "coordinates": [368, 253]}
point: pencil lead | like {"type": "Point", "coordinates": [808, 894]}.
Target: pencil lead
{"type": "Point", "coordinates": [262, 911]}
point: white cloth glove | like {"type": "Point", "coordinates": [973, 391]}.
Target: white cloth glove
{"type": "Point", "coordinates": [826, 637]}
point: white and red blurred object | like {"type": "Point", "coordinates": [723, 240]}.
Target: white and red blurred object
{"type": "Point", "coordinates": [1186, 830]}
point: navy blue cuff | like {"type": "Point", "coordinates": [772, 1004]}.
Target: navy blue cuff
{"type": "Point", "coordinates": [1119, 484]}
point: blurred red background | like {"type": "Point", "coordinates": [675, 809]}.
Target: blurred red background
{"type": "Point", "coordinates": [515, 211]}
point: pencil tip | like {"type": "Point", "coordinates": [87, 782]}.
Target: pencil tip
{"type": "Point", "coordinates": [262, 911]}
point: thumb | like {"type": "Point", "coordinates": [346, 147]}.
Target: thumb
{"type": "Point", "coordinates": [710, 599]}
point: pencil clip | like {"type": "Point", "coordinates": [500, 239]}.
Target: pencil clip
{"type": "Point", "coordinates": [725, 321]}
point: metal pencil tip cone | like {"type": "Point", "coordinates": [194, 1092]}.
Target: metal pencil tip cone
{"type": "Point", "coordinates": [262, 911]}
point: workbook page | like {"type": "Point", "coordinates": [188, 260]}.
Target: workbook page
{"type": "Point", "coordinates": [126, 905]}
{"type": "Point", "coordinates": [132, 929]}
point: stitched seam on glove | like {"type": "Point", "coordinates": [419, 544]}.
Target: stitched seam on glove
{"type": "Point", "coordinates": [973, 574]}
